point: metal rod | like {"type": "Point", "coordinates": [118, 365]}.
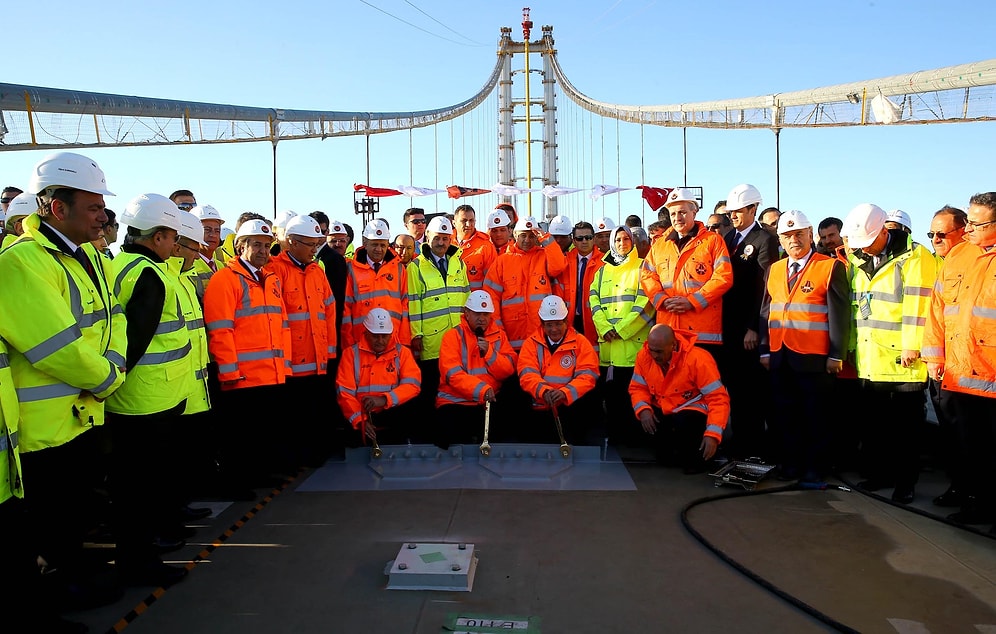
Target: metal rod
{"type": "Point", "coordinates": [684, 153]}
{"type": "Point", "coordinates": [778, 168]}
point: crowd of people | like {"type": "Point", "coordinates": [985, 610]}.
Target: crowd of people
{"type": "Point", "coordinates": [184, 359]}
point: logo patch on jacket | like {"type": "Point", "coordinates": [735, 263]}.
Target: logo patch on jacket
{"type": "Point", "coordinates": [390, 366]}
{"type": "Point", "coordinates": [700, 268]}
{"type": "Point", "coordinates": [807, 287]}
{"type": "Point", "coordinates": [567, 361]}
{"type": "Point", "coordinates": [473, 270]}
{"type": "Point", "coordinates": [390, 277]}
{"type": "Point", "coordinates": [687, 394]}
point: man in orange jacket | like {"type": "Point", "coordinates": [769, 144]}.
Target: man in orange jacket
{"type": "Point", "coordinates": [377, 379]}
{"type": "Point", "coordinates": [679, 399]}
{"type": "Point", "coordinates": [476, 249]}
{"type": "Point", "coordinates": [474, 359]}
{"type": "Point", "coordinates": [687, 272]}
{"type": "Point", "coordinates": [499, 228]}
{"type": "Point", "coordinates": [249, 341]}
{"type": "Point", "coordinates": [311, 308]}
{"type": "Point", "coordinates": [957, 346]}
{"type": "Point", "coordinates": [558, 369]}
{"type": "Point", "coordinates": [575, 282]}
{"type": "Point", "coordinates": [377, 279]}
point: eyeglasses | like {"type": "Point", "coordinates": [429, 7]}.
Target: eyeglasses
{"type": "Point", "coordinates": [417, 221]}
{"type": "Point", "coordinates": [583, 238]}
{"type": "Point", "coordinates": [315, 244]}
{"type": "Point", "coordinates": [6, 200]}
{"type": "Point", "coordinates": [186, 206]}
{"type": "Point", "coordinates": [976, 225]}
{"type": "Point", "coordinates": [338, 240]}
{"type": "Point", "coordinates": [713, 227]}
{"type": "Point", "coordinates": [940, 235]}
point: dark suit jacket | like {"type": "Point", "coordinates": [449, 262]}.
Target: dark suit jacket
{"type": "Point", "coordinates": [750, 261]}
{"type": "Point", "coordinates": [337, 271]}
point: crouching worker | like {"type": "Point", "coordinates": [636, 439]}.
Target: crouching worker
{"type": "Point", "coordinates": [377, 380]}
{"type": "Point", "coordinates": [558, 368]}
{"type": "Point", "coordinates": [679, 399]}
{"type": "Point", "coordinates": [474, 359]}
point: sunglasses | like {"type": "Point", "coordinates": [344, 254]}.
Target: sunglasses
{"type": "Point", "coordinates": [713, 227]}
{"type": "Point", "coordinates": [417, 221]}
{"type": "Point", "coordinates": [6, 200]}
{"type": "Point", "coordinates": [583, 238]}
{"type": "Point", "coordinates": [940, 234]}
{"type": "Point", "coordinates": [186, 206]}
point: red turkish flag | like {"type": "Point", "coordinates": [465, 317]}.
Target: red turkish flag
{"type": "Point", "coordinates": [655, 196]}
{"type": "Point", "coordinates": [376, 192]}
{"type": "Point", "coordinates": [455, 191]}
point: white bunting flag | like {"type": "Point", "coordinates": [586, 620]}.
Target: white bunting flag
{"type": "Point", "coordinates": [409, 190]}
{"type": "Point", "coordinates": [552, 191]}
{"type": "Point", "coordinates": [601, 190]}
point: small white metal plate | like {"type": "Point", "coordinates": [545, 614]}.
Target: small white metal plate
{"type": "Point", "coordinates": [433, 566]}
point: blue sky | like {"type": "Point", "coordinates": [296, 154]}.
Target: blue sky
{"type": "Point", "coordinates": [349, 56]}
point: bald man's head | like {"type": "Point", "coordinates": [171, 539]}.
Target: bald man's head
{"type": "Point", "coordinates": [660, 344]}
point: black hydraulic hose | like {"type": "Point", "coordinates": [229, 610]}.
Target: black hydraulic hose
{"type": "Point", "coordinates": [747, 572]}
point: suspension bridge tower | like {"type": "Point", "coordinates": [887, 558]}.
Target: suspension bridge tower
{"type": "Point", "coordinates": [510, 121]}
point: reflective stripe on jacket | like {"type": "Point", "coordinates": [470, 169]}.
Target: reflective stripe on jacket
{"type": "Point", "coordinates": [572, 368]}
{"type": "Point", "coordinates": [163, 375]}
{"type": "Point", "coordinates": [248, 331]}
{"type": "Point", "coordinates": [700, 271]}
{"type": "Point", "coordinates": [898, 295]}
{"type": "Point", "coordinates": [961, 324]}
{"type": "Point", "coordinates": [393, 375]}
{"type": "Point", "coordinates": [66, 337]}
{"type": "Point", "coordinates": [799, 319]}
{"type": "Point", "coordinates": [10, 456]}
{"type": "Point", "coordinates": [465, 374]}
{"type": "Point", "coordinates": [366, 290]}
{"type": "Point", "coordinates": [198, 400]}
{"type": "Point", "coordinates": [434, 305]}
{"type": "Point", "coordinates": [310, 308]}
{"type": "Point", "coordinates": [617, 302]}
{"type": "Point", "coordinates": [200, 274]}
{"type": "Point", "coordinates": [691, 382]}
{"type": "Point", "coordinates": [478, 254]}
{"type": "Point", "coordinates": [518, 281]}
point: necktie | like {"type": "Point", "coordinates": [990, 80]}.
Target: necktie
{"type": "Point", "coordinates": [81, 257]}
{"type": "Point", "coordinates": [736, 242]}
{"type": "Point", "coordinates": [793, 275]}
{"type": "Point", "coordinates": [579, 296]}
{"type": "Point", "coordinates": [441, 265]}
{"type": "Point", "coordinates": [376, 267]}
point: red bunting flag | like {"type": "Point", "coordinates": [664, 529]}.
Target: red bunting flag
{"type": "Point", "coordinates": [655, 196]}
{"type": "Point", "coordinates": [376, 192]}
{"type": "Point", "coordinates": [455, 191]}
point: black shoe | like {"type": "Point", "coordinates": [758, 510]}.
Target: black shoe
{"type": "Point", "coordinates": [191, 514]}
{"type": "Point", "coordinates": [168, 545]}
{"type": "Point", "coordinates": [152, 574]}
{"type": "Point", "coordinates": [873, 484]}
{"type": "Point", "coordinates": [952, 498]}
{"type": "Point", "coordinates": [972, 515]}
{"type": "Point", "coordinates": [904, 494]}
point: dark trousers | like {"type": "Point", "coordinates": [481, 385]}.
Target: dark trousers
{"type": "Point", "coordinates": [801, 420]}
{"type": "Point", "coordinates": [575, 421]}
{"type": "Point", "coordinates": [749, 387]}
{"type": "Point", "coordinates": [622, 426]}
{"type": "Point", "coordinates": [311, 434]}
{"type": "Point", "coordinates": [511, 413]}
{"type": "Point", "coordinates": [461, 424]}
{"type": "Point", "coordinates": [144, 485]}
{"type": "Point", "coordinates": [252, 440]}
{"type": "Point", "coordinates": [60, 502]}
{"type": "Point", "coordinates": [425, 403]}
{"type": "Point", "coordinates": [890, 442]}
{"type": "Point", "coordinates": [976, 415]}
{"type": "Point", "coordinates": [679, 437]}
{"type": "Point", "coordinates": [951, 434]}
{"type": "Point", "coordinates": [396, 425]}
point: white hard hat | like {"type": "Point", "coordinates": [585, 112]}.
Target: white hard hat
{"type": "Point", "coordinates": [863, 224]}
{"type": "Point", "coordinates": [376, 229]}
{"type": "Point", "coordinates": [149, 211]}
{"type": "Point", "coordinates": [65, 169]}
{"type": "Point", "coordinates": [254, 228]}
{"type": "Point", "coordinates": [498, 218]}
{"type": "Point", "coordinates": [336, 227]}
{"type": "Point", "coordinates": [191, 228]}
{"type": "Point", "coordinates": [742, 196]}
{"type": "Point", "coordinates": [378, 321]}
{"type": "Point", "coordinates": [561, 226]}
{"type": "Point", "coordinates": [23, 205]}
{"type": "Point", "coordinates": [480, 302]}
{"type": "Point", "coordinates": [283, 217]}
{"type": "Point", "coordinates": [527, 223]}
{"type": "Point", "coordinates": [304, 226]}
{"type": "Point", "coordinates": [900, 216]}
{"type": "Point", "coordinates": [440, 224]}
{"type": "Point", "coordinates": [681, 195]}
{"type": "Point", "coordinates": [603, 225]}
{"type": "Point", "coordinates": [207, 212]}
{"type": "Point", "coordinates": [552, 308]}
{"type": "Point", "coordinates": [226, 231]}
{"type": "Point", "coordinates": [793, 220]}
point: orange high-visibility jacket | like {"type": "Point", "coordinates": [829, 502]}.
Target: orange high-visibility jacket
{"type": "Point", "coordinates": [800, 319]}
{"type": "Point", "coordinates": [478, 254]}
{"type": "Point", "coordinates": [248, 333]}
{"type": "Point", "coordinates": [518, 281]}
{"type": "Point", "coordinates": [691, 382]}
{"type": "Point", "coordinates": [503, 248]}
{"type": "Point", "coordinates": [366, 290]}
{"type": "Point", "coordinates": [572, 368]}
{"type": "Point", "coordinates": [466, 375]}
{"type": "Point", "coordinates": [394, 375]}
{"type": "Point", "coordinates": [961, 325]}
{"type": "Point", "coordinates": [310, 308]}
{"type": "Point", "coordinates": [566, 287]}
{"type": "Point", "coordinates": [700, 271]}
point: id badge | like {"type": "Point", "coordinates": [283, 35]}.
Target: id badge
{"type": "Point", "coordinates": [864, 306]}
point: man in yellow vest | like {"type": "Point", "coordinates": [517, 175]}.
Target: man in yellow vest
{"type": "Point", "coordinates": [66, 338]}
{"type": "Point", "coordinates": [803, 335]}
{"type": "Point", "coordinates": [143, 415]}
